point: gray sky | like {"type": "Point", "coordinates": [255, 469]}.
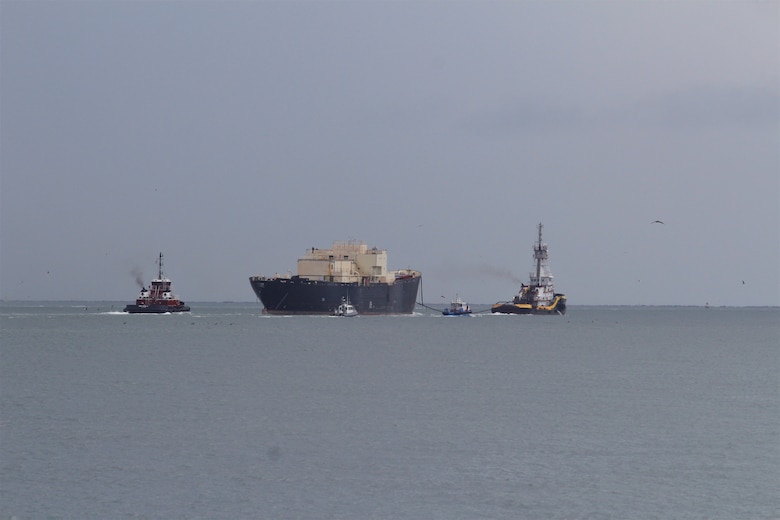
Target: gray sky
{"type": "Point", "coordinates": [232, 136]}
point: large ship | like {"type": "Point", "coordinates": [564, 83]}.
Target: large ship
{"type": "Point", "coordinates": [157, 298]}
{"type": "Point", "coordinates": [350, 271]}
{"type": "Point", "coordinates": [539, 296]}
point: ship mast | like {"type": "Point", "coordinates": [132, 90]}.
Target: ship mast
{"type": "Point", "coordinates": [159, 268]}
{"type": "Point", "coordinates": [541, 276]}
{"type": "Point", "coordinates": [539, 253]}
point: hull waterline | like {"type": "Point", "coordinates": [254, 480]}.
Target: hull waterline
{"type": "Point", "coordinates": [155, 309]}
{"type": "Point", "coordinates": [557, 307]}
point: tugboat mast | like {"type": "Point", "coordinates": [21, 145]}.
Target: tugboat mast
{"type": "Point", "coordinates": [539, 253]}
{"type": "Point", "coordinates": [159, 268]}
{"type": "Point", "coordinates": [541, 277]}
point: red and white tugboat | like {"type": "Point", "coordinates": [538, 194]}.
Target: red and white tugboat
{"type": "Point", "coordinates": [158, 298]}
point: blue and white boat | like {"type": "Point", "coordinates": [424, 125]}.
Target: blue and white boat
{"type": "Point", "coordinates": [458, 308]}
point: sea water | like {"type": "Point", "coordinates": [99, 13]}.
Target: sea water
{"type": "Point", "coordinates": [607, 412]}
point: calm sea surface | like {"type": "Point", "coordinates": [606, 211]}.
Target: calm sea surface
{"type": "Point", "coordinates": [608, 412]}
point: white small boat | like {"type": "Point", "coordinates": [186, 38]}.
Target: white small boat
{"type": "Point", "coordinates": [346, 309]}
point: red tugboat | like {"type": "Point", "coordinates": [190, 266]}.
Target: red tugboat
{"type": "Point", "coordinates": [158, 298]}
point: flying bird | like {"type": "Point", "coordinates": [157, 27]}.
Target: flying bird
{"type": "Point", "coordinates": [657, 222]}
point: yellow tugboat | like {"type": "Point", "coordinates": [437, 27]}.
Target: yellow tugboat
{"type": "Point", "coordinates": [539, 296]}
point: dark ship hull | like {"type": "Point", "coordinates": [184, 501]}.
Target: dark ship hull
{"type": "Point", "coordinates": [155, 309]}
{"type": "Point", "coordinates": [558, 306]}
{"type": "Point", "coordinates": [296, 295]}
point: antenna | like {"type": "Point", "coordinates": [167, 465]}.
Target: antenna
{"type": "Point", "coordinates": [537, 254]}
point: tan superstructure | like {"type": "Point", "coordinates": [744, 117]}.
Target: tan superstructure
{"type": "Point", "coordinates": [348, 262]}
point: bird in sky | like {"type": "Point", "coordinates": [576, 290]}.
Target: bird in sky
{"type": "Point", "coordinates": [657, 222]}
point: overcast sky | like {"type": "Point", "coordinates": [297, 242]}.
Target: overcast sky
{"type": "Point", "coordinates": [234, 135]}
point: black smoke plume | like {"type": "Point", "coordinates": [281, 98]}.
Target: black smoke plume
{"type": "Point", "coordinates": [504, 274]}
{"type": "Point", "coordinates": [138, 275]}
